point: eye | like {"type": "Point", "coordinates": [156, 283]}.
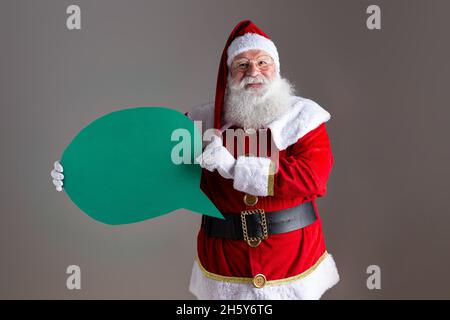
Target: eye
{"type": "Point", "coordinates": [243, 65]}
{"type": "Point", "coordinates": [264, 61]}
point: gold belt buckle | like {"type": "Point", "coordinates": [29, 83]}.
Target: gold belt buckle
{"type": "Point", "coordinates": [254, 241]}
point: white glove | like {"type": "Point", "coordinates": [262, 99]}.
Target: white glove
{"type": "Point", "coordinates": [57, 175]}
{"type": "Point", "coordinates": [216, 156]}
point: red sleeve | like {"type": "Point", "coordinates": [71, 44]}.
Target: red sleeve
{"type": "Point", "coordinates": [305, 169]}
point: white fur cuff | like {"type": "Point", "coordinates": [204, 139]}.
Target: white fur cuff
{"type": "Point", "coordinates": [253, 176]}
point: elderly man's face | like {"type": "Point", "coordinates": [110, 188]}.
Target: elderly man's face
{"type": "Point", "coordinates": [252, 63]}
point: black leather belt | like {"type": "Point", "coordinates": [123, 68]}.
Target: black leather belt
{"type": "Point", "coordinates": [255, 225]}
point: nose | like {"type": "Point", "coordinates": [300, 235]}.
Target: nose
{"type": "Point", "coordinates": [252, 70]}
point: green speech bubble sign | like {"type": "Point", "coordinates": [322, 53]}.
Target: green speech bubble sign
{"type": "Point", "coordinates": [119, 169]}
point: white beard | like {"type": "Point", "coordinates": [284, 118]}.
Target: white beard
{"type": "Point", "coordinates": [255, 108]}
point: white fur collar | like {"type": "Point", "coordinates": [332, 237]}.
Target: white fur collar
{"type": "Point", "coordinates": [303, 116]}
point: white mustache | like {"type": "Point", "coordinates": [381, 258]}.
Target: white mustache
{"type": "Point", "coordinates": [253, 80]}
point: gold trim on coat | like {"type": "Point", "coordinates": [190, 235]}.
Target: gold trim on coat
{"type": "Point", "coordinates": [270, 185]}
{"type": "Point", "coordinates": [218, 277]}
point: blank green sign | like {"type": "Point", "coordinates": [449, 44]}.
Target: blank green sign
{"type": "Point", "coordinates": [119, 168]}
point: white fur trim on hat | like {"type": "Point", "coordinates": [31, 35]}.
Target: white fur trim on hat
{"type": "Point", "coordinates": [251, 41]}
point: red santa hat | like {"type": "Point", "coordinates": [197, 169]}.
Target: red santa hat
{"type": "Point", "coordinates": [245, 36]}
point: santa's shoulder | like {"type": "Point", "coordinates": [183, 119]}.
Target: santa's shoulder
{"type": "Point", "coordinates": [304, 108]}
{"type": "Point", "coordinates": [303, 116]}
{"type": "Point", "coordinates": [299, 105]}
{"type": "Point", "coordinates": [306, 113]}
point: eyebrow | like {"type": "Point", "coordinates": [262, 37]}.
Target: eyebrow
{"type": "Point", "coordinates": [243, 58]}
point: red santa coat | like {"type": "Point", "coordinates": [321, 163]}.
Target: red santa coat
{"type": "Point", "coordinates": [293, 265]}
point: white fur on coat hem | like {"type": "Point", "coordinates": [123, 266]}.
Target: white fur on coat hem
{"type": "Point", "coordinates": [311, 287]}
{"type": "Point", "coordinates": [251, 175]}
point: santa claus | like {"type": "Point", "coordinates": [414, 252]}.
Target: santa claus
{"type": "Point", "coordinates": [270, 244]}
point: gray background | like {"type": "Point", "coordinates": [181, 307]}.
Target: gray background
{"type": "Point", "coordinates": [387, 92]}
